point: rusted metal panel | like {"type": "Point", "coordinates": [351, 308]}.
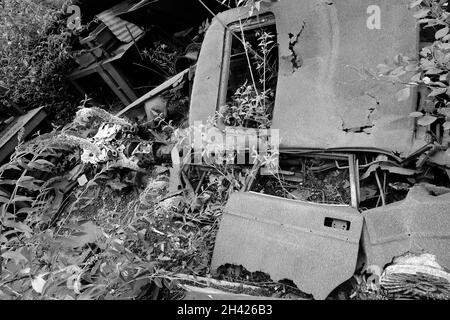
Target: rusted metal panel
{"type": "Point", "coordinates": [419, 223]}
{"type": "Point", "coordinates": [326, 93]}
{"type": "Point", "coordinates": [323, 102]}
{"type": "Point", "coordinates": [289, 240]}
{"type": "Point", "coordinates": [205, 89]}
{"type": "Point", "coordinates": [119, 26]}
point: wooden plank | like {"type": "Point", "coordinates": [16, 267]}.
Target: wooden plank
{"type": "Point", "coordinates": [29, 121]}
{"type": "Point", "coordinates": [81, 73]}
{"type": "Point", "coordinates": [121, 81]}
{"type": "Point", "coordinates": [109, 81]}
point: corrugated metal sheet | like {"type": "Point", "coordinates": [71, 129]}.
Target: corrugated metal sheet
{"type": "Point", "coordinates": [289, 240]}
{"type": "Point", "coordinates": [119, 26]}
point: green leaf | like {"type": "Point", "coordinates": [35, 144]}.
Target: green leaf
{"type": "Point", "coordinates": [403, 94]}
{"type": "Point", "coordinates": [40, 167]}
{"type": "Point", "coordinates": [22, 199]}
{"type": "Point", "coordinates": [440, 84]}
{"type": "Point", "coordinates": [444, 111]}
{"type": "Point", "coordinates": [9, 166]}
{"type": "Point", "coordinates": [415, 4]}
{"type": "Point", "coordinates": [422, 21]}
{"type": "Point", "coordinates": [384, 68]}
{"type": "Point", "coordinates": [446, 125]}
{"type": "Point", "coordinates": [258, 5]}
{"type": "Point", "coordinates": [167, 283]}
{"type": "Point", "coordinates": [158, 282]}
{"type": "Point", "coordinates": [30, 184]}
{"type": "Point", "coordinates": [416, 114]}
{"type": "Point", "coordinates": [433, 71]}
{"type": "Point", "coordinates": [437, 91]}
{"type": "Point", "coordinates": [26, 210]}
{"type": "Point", "coordinates": [14, 255]}
{"type": "Point", "coordinates": [425, 63]}
{"type": "Point", "coordinates": [426, 121]}
{"type": "Point", "coordinates": [38, 283]}
{"type": "Point", "coordinates": [412, 67]}
{"type": "Point", "coordinates": [44, 162]}
{"type": "Point", "coordinates": [442, 32]}
{"type": "Point", "coordinates": [422, 13]}
{"type": "Point", "coordinates": [19, 226]}
{"type": "Point", "coordinates": [8, 181]}
{"type": "Point", "coordinates": [416, 77]}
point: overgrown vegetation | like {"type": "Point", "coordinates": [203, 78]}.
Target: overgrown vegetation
{"type": "Point", "coordinates": [87, 212]}
{"type": "Point", "coordinates": [35, 46]}
{"type": "Point", "coordinates": [251, 105]}
{"type": "Point", "coordinates": [68, 238]}
{"type": "Point", "coordinates": [430, 74]}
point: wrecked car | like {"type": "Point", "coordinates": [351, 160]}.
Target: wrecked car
{"type": "Point", "coordinates": [336, 123]}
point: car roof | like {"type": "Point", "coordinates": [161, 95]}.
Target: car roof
{"type": "Point", "coordinates": [329, 100]}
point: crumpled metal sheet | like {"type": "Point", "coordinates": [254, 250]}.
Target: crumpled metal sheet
{"type": "Point", "coordinates": [419, 223]}
{"type": "Point", "coordinates": [325, 102]}
{"type": "Point", "coordinates": [289, 240]}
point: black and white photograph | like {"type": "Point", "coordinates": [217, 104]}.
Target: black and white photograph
{"type": "Point", "coordinates": [224, 158]}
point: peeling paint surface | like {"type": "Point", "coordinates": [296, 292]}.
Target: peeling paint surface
{"type": "Point", "coordinates": [322, 101]}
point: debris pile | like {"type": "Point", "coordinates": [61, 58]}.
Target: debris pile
{"type": "Point", "coordinates": [416, 277]}
{"type": "Point", "coordinates": [314, 180]}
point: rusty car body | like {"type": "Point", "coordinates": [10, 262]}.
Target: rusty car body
{"type": "Point", "coordinates": [326, 102]}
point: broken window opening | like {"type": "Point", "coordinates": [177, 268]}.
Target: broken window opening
{"type": "Point", "coordinates": [314, 180]}
{"type": "Point", "coordinates": [250, 73]}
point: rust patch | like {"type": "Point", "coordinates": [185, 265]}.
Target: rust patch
{"type": "Point", "coordinates": [296, 59]}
